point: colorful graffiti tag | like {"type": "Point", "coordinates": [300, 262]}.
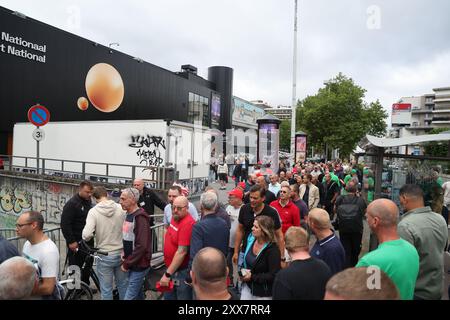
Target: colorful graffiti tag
{"type": "Point", "coordinates": [18, 197]}
{"type": "Point", "coordinates": [14, 200]}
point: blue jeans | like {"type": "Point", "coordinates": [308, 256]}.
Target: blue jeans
{"type": "Point", "coordinates": [181, 291]}
{"type": "Point", "coordinates": [107, 269]}
{"type": "Point", "coordinates": [135, 285]}
{"type": "Point", "coordinates": [240, 265]}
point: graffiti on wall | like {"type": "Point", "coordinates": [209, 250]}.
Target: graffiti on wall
{"type": "Point", "coordinates": [150, 149]}
{"type": "Point", "coordinates": [14, 200]}
{"type": "Point", "coordinates": [17, 197]}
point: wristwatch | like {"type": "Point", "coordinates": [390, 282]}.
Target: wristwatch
{"type": "Point", "coordinates": [168, 275]}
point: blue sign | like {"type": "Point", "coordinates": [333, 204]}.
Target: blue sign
{"type": "Point", "coordinates": [38, 115]}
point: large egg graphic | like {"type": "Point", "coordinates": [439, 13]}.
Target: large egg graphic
{"type": "Point", "coordinates": [82, 103]}
{"type": "Point", "coordinates": [104, 87]}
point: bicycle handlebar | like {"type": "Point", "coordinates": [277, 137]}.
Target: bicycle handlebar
{"type": "Point", "coordinates": [85, 247]}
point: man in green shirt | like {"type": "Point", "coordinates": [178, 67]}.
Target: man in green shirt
{"type": "Point", "coordinates": [427, 231]}
{"type": "Point", "coordinates": [395, 256]}
{"type": "Point", "coordinates": [369, 184]}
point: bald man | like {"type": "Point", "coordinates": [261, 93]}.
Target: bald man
{"type": "Point", "coordinates": [395, 256]}
{"type": "Point", "coordinates": [177, 242]}
{"type": "Point", "coordinates": [327, 247]}
{"type": "Point", "coordinates": [148, 199]}
{"type": "Point", "coordinates": [351, 284]}
{"type": "Point", "coordinates": [18, 277]}
{"type": "Point", "coordinates": [209, 275]}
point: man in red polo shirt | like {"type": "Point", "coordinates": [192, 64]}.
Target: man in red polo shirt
{"type": "Point", "coordinates": [176, 251]}
{"type": "Point", "coordinates": [288, 211]}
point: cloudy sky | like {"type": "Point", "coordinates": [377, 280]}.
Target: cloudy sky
{"type": "Point", "coordinates": [392, 48]}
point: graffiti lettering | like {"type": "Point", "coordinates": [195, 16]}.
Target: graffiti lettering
{"type": "Point", "coordinates": [46, 198]}
{"type": "Point", "coordinates": [139, 141]}
{"type": "Point", "coordinates": [14, 200]}
{"type": "Point", "coordinates": [150, 157]}
{"type": "Point", "coordinates": [149, 153]}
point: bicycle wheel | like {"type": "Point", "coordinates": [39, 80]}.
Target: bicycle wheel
{"type": "Point", "coordinates": [83, 293]}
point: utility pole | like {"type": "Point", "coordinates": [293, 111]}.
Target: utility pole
{"type": "Point", "coordinates": [294, 85]}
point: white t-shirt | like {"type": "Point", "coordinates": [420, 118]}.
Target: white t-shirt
{"type": "Point", "coordinates": [446, 187]}
{"type": "Point", "coordinates": [234, 216]}
{"type": "Point", "coordinates": [44, 256]}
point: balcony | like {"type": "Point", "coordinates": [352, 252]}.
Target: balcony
{"type": "Point", "coordinates": [419, 127]}
{"type": "Point", "coordinates": [447, 110]}
{"type": "Point", "coordinates": [442, 100]}
{"type": "Point", "coordinates": [421, 111]}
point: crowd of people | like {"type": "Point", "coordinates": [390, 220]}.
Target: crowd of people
{"type": "Point", "coordinates": [293, 234]}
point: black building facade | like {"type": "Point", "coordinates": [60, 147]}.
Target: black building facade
{"type": "Point", "coordinates": [79, 80]}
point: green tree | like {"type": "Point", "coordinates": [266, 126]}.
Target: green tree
{"type": "Point", "coordinates": [437, 148]}
{"type": "Point", "coordinates": [285, 135]}
{"type": "Point", "coordinates": [338, 117]}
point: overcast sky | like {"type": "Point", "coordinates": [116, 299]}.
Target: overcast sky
{"type": "Point", "coordinates": [392, 48]}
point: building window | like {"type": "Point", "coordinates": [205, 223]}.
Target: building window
{"type": "Point", "coordinates": [198, 110]}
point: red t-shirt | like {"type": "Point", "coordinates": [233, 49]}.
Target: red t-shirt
{"type": "Point", "coordinates": [289, 214]}
{"type": "Point", "coordinates": [178, 234]}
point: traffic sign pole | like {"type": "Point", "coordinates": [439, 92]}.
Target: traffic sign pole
{"type": "Point", "coordinates": [37, 155]}
{"type": "Point", "coordinates": [39, 116]}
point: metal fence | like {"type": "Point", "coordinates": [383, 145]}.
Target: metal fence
{"type": "Point", "coordinates": [55, 234]}
{"type": "Point", "coordinates": [159, 177]}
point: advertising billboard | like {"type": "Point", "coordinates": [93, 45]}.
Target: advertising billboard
{"type": "Point", "coordinates": [401, 113]}
{"type": "Point", "coordinates": [300, 148]}
{"type": "Point", "coordinates": [268, 144]}
{"type": "Point", "coordinates": [215, 110]}
{"type": "Point", "coordinates": [245, 113]}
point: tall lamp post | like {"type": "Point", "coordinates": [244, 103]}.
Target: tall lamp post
{"type": "Point", "coordinates": [294, 85]}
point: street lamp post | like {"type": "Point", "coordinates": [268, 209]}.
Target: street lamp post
{"type": "Point", "coordinates": [294, 85]}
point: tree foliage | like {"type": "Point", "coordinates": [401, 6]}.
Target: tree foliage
{"type": "Point", "coordinates": [437, 148]}
{"type": "Point", "coordinates": [339, 117]}
{"type": "Point", "coordinates": [285, 135]}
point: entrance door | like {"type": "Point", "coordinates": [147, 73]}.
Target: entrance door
{"type": "Point", "coordinates": [9, 147]}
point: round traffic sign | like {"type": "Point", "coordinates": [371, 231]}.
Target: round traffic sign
{"type": "Point", "coordinates": [38, 115]}
{"type": "Point", "coordinates": [38, 134]}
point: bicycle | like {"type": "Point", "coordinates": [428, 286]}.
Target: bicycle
{"type": "Point", "coordinates": [84, 292]}
{"type": "Point", "coordinates": [156, 264]}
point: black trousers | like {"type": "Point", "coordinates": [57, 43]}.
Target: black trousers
{"type": "Point", "coordinates": [78, 258]}
{"type": "Point", "coordinates": [154, 241]}
{"type": "Point", "coordinates": [352, 246]}
{"type": "Point", "coordinates": [329, 207]}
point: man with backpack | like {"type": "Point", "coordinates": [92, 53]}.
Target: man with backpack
{"type": "Point", "coordinates": [350, 210]}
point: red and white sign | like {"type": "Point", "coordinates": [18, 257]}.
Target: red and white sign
{"type": "Point", "coordinates": [401, 113]}
{"type": "Point", "coordinates": [401, 107]}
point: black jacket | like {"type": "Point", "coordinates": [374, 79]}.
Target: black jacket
{"type": "Point", "coordinates": [7, 250]}
{"type": "Point", "coordinates": [73, 218]}
{"type": "Point", "coordinates": [264, 271]}
{"type": "Point", "coordinates": [148, 200]}
{"type": "Point", "coordinates": [237, 170]}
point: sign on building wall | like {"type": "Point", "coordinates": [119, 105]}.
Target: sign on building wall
{"type": "Point", "coordinates": [215, 110]}
{"type": "Point", "coordinates": [246, 113]}
{"type": "Point", "coordinates": [401, 113]}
